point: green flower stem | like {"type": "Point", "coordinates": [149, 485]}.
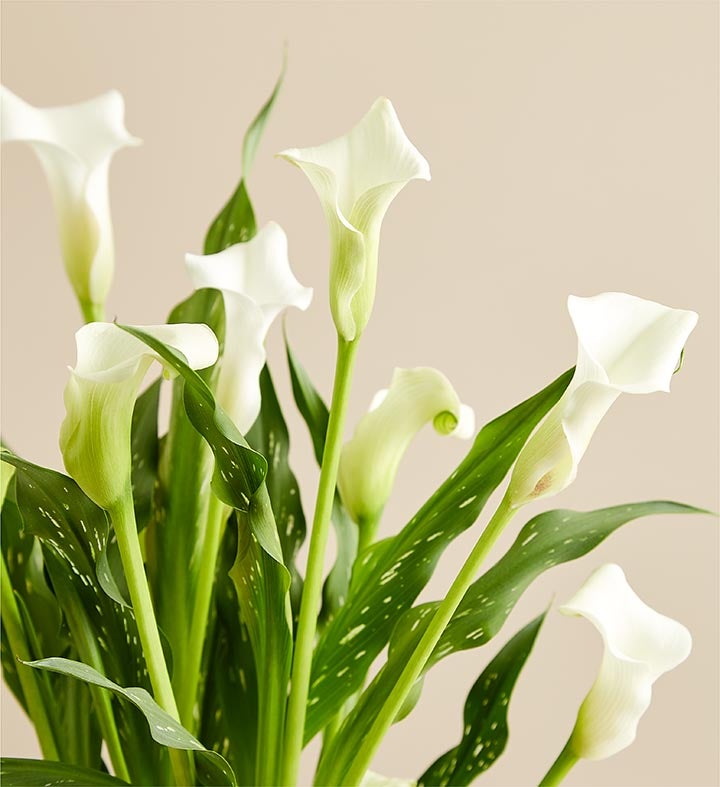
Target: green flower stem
{"type": "Point", "coordinates": [187, 686]}
{"type": "Point", "coordinates": [561, 767]}
{"type": "Point", "coordinates": [312, 591]}
{"type": "Point", "coordinates": [367, 533]}
{"type": "Point", "coordinates": [12, 622]}
{"type": "Point", "coordinates": [123, 518]}
{"type": "Point", "coordinates": [414, 667]}
{"type": "Point", "coordinates": [92, 312]}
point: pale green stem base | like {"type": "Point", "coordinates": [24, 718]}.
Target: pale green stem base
{"type": "Point", "coordinates": [560, 768]}
{"type": "Point", "coordinates": [217, 515]}
{"type": "Point", "coordinates": [123, 518]}
{"type": "Point", "coordinates": [414, 667]}
{"type": "Point", "coordinates": [12, 621]}
{"type": "Point", "coordinates": [312, 590]}
{"type": "Point", "coordinates": [92, 312]}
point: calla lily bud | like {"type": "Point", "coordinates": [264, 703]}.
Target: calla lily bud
{"type": "Point", "coordinates": [640, 646]}
{"type": "Point", "coordinates": [370, 460]}
{"type": "Point", "coordinates": [75, 144]}
{"type": "Point", "coordinates": [625, 345]}
{"type": "Point", "coordinates": [100, 397]}
{"type": "Point", "coordinates": [356, 177]}
{"type": "Point", "coordinates": [256, 283]}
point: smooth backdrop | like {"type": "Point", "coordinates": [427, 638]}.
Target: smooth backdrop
{"type": "Point", "coordinates": [573, 148]}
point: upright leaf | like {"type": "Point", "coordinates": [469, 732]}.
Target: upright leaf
{"type": "Point", "coordinates": [391, 574]}
{"type": "Point", "coordinates": [485, 724]}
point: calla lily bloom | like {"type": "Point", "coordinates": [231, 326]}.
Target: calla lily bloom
{"type": "Point", "coordinates": [256, 283]}
{"type": "Point", "coordinates": [625, 345]}
{"type": "Point", "coordinates": [356, 177]}
{"type": "Point", "coordinates": [75, 144]}
{"type": "Point", "coordinates": [640, 646]}
{"type": "Point", "coordinates": [370, 460]}
{"type": "Point", "coordinates": [100, 397]}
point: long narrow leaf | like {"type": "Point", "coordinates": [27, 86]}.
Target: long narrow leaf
{"type": "Point", "coordinates": [16, 772]}
{"type": "Point", "coordinates": [393, 572]}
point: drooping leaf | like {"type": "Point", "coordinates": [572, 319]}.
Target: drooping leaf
{"type": "Point", "coordinates": [260, 576]}
{"type": "Point", "coordinates": [164, 729]}
{"type": "Point", "coordinates": [73, 532]}
{"type": "Point", "coordinates": [269, 436]}
{"type": "Point", "coordinates": [485, 723]}
{"type": "Point", "coordinates": [316, 415]}
{"type": "Point", "coordinates": [548, 540]}
{"type": "Point", "coordinates": [16, 772]}
{"type": "Point", "coordinates": [391, 573]}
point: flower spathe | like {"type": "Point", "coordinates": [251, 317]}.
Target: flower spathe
{"type": "Point", "coordinates": [256, 283]}
{"type": "Point", "coordinates": [75, 144]}
{"type": "Point", "coordinates": [370, 460]}
{"type": "Point", "coordinates": [625, 345]}
{"type": "Point", "coordinates": [640, 646]}
{"type": "Point", "coordinates": [356, 177]}
{"type": "Point", "coordinates": [100, 397]}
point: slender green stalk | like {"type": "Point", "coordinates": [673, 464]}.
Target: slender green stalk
{"type": "Point", "coordinates": [418, 659]}
{"type": "Point", "coordinates": [123, 518]}
{"type": "Point", "coordinates": [92, 312]}
{"type": "Point", "coordinates": [367, 532]}
{"type": "Point", "coordinates": [561, 767]}
{"type": "Point", "coordinates": [187, 682]}
{"type": "Point", "coordinates": [12, 621]}
{"type": "Point", "coordinates": [310, 604]}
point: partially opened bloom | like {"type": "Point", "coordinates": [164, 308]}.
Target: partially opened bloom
{"type": "Point", "coordinates": [100, 397]}
{"type": "Point", "coordinates": [356, 177]}
{"type": "Point", "coordinates": [640, 645]}
{"type": "Point", "coordinates": [625, 345]}
{"type": "Point", "coordinates": [256, 283]}
{"type": "Point", "coordinates": [370, 460]}
{"type": "Point", "coordinates": [75, 144]}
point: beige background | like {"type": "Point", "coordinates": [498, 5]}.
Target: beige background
{"type": "Point", "coordinates": [573, 148]}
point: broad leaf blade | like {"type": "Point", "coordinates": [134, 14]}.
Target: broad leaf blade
{"type": "Point", "coordinates": [548, 540]}
{"type": "Point", "coordinates": [15, 772]}
{"type": "Point", "coordinates": [485, 724]}
{"type": "Point", "coordinates": [164, 729]}
{"type": "Point", "coordinates": [393, 572]}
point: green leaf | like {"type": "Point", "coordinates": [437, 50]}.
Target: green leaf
{"type": "Point", "coordinates": [485, 724]}
{"type": "Point", "coordinates": [73, 532]}
{"type": "Point", "coordinates": [548, 540]}
{"type": "Point", "coordinates": [236, 221]}
{"type": "Point", "coordinates": [17, 772]}
{"type": "Point", "coordinates": [269, 436]}
{"type": "Point", "coordinates": [392, 573]}
{"type": "Point", "coordinates": [315, 414]}
{"type": "Point", "coordinates": [164, 729]}
{"type": "Point", "coordinates": [145, 452]}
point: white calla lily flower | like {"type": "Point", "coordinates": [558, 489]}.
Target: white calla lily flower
{"type": "Point", "coordinates": [256, 283]}
{"type": "Point", "coordinates": [640, 646]}
{"type": "Point", "coordinates": [356, 177]}
{"type": "Point", "coordinates": [75, 144]}
{"type": "Point", "coordinates": [625, 345]}
{"type": "Point", "coordinates": [100, 397]}
{"type": "Point", "coordinates": [370, 460]}
{"type": "Point", "coordinates": [372, 779]}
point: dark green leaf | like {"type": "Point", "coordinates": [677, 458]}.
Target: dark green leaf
{"type": "Point", "coordinates": [312, 408]}
{"type": "Point", "coordinates": [391, 574]}
{"type": "Point", "coordinates": [485, 724]}
{"type": "Point", "coordinates": [548, 540]}
{"type": "Point", "coordinates": [44, 773]}
{"type": "Point", "coordinates": [164, 729]}
{"type": "Point", "coordinates": [269, 436]}
{"type": "Point", "coordinates": [145, 452]}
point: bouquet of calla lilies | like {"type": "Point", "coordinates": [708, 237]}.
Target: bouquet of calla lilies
{"type": "Point", "coordinates": [156, 625]}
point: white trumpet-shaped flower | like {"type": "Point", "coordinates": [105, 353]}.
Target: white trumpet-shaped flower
{"type": "Point", "coordinates": [356, 177]}
{"type": "Point", "coordinates": [75, 144]}
{"type": "Point", "coordinates": [370, 460]}
{"type": "Point", "coordinates": [256, 283]}
{"type": "Point", "coordinates": [100, 397]}
{"type": "Point", "coordinates": [625, 345]}
{"type": "Point", "coordinates": [640, 645]}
